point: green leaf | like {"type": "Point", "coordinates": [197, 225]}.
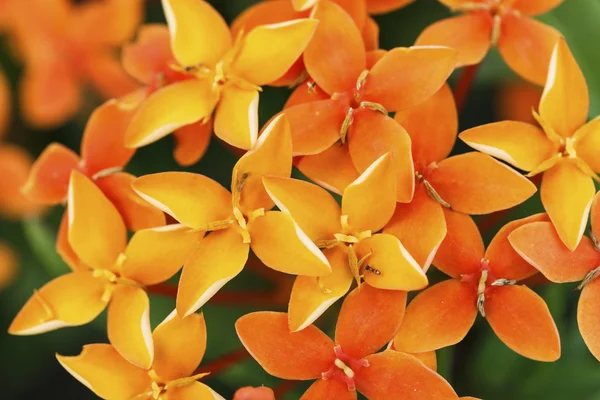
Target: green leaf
{"type": "Point", "coordinates": [43, 244]}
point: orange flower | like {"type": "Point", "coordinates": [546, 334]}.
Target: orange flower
{"type": "Point", "coordinates": [112, 274]}
{"type": "Point", "coordinates": [539, 244]}
{"type": "Point", "coordinates": [565, 150]}
{"type": "Point", "coordinates": [346, 235]}
{"type": "Point", "coordinates": [254, 393]}
{"type": "Point", "coordinates": [442, 315]}
{"type": "Point", "coordinates": [515, 100]}
{"type": "Point", "coordinates": [221, 74]}
{"type": "Point", "coordinates": [8, 266]}
{"type": "Point", "coordinates": [368, 319]}
{"type": "Point", "coordinates": [5, 104]}
{"type": "Point", "coordinates": [65, 47]}
{"type": "Point", "coordinates": [237, 221]}
{"type": "Point", "coordinates": [524, 43]}
{"type": "Point", "coordinates": [179, 346]}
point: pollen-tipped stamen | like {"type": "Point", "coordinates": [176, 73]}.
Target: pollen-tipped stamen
{"type": "Point", "coordinates": [589, 277]}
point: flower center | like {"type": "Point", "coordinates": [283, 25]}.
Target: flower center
{"type": "Point", "coordinates": [344, 368]}
{"type": "Point", "coordinates": [482, 281]}
{"type": "Point", "coordinates": [420, 178]}
{"type": "Point", "coordinates": [158, 387]}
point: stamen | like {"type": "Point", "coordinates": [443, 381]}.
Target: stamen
{"type": "Point", "coordinates": [504, 282]}
{"type": "Point", "coordinates": [322, 286]}
{"type": "Point", "coordinates": [301, 78]}
{"type": "Point", "coordinates": [548, 129]}
{"type": "Point", "coordinates": [242, 223]}
{"type": "Point", "coordinates": [156, 390]}
{"type": "Point", "coordinates": [106, 172]}
{"type": "Point", "coordinates": [431, 191]}
{"type": "Point", "coordinates": [109, 289]}
{"type": "Point", "coordinates": [481, 292]}
{"type": "Point", "coordinates": [374, 106]}
{"type": "Point", "coordinates": [467, 7]}
{"type": "Point", "coordinates": [214, 226]}
{"type": "Point", "coordinates": [361, 79]}
{"type": "Point", "coordinates": [312, 87]}
{"type": "Point", "coordinates": [346, 125]}
{"type": "Point", "coordinates": [496, 30]}
{"type": "Point", "coordinates": [595, 241]}
{"type": "Point", "coordinates": [327, 244]}
{"type": "Point", "coordinates": [185, 381]}
{"type": "Point", "coordinates": [545, 165]}
{"type": "Point", "coordinates": [354, 265]}
{"type": "Point", "coordinates": [589, 277]}
{"type": "Point", "coordinates": [585, 168]}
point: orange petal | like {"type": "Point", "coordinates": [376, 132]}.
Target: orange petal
{"type": "Point", "coordinates": [192, 391]}
{"type": "Point", "coordinates": [332, 169]}
{"type": "Point", "coordinates": [5, 104]}
{"type": "Point", "coordinates": [69, 300]}
{"type": "Point", "coordinates": [107, 76]}
{"type": "Point", "coordinates": [468, 34]}
{"type": "Point", "coordinates": [372, 135]}
{"type": "Point", "coordinates": [588, 315]}
{"type": "Point", "coordinates": [49, 177]}
{"type": "Point", "coordinates": [265, 13]}
{"type": "Point", "coordinates": [587, 140]}
{"type": "Point", "coordinates": [268, 339]}
{"type": "Point", "coordinates": [281, 245]}
{"type": "Point", "coordinates": [260, 64]}
{"type": "Point", "coordinates": [370, 35]}
{"type": "Point", "coordinates": [192, 199]}
{"type": "Point", "coordinates": [504, 261]}
{"type": "Point", "coordinates": [195, 102]}
{"type": "Point", "coordinates": [179, 345]}
{"type": "Point", "coordinates": [271, 156]}
{"type": "Point", "coordinates": [129, 325]}
{"type": "Point", "coordinates": [329, 389]}
{"type": "Point", "coordinates": [192, 142]}
{"type": "Point", "coordinates": [97, 233]}
{"type": "Point", "coordinates": [368, 319]}
{"type": "Point", "coordinates": [319, 218]}
{"type": "Point", "coordinates": [15, 168]}
{"type": "Point", "coordinates": [356, 9]}
{"type": "Point", "coordinates": [428, 358]}
{"type": "Point", "coordinates": [475, 183]}
{"type": "Point", "coordinates": [385, 6]}
{"type": "Point", "coordinates": [9, 264]}
{"type": "Point", "coordinates": [521, 319]}
{"type": "Point", "coordinates": [595, 216]}
{"type": "Point", "coordinates": [461, 251]}
{"type": "Point", "coordinates": [423, 72]}
{"type": "Point", "coordinates": [374, 56]}
{"type": "Point", "coordinates": [304, 93]}
{"type": "Point", "coordinates": [397, 269]}
{"type": "Point", "coordinates": [567, 195]}
{"type": "Point", "coordinates": [136, 212]}
{"type": "Point", "coordinates": [539, 244]}
{"type": "Point", "coordinates": [217, 259]}
{"type": "Point", "coordinates": [155, 255]}
{"type": "Point", "coordinates": [432, 127]}
{"type": "Point", "coordinates": [439, 316]}
{"type": "Point", "coordinates": [335, 56]}
{"type": "Point", "coordinates": [301, 5]}
{"type": "Point", "coordinates": [236, 119]}
{"type": "Point", "coordinates": [395, 375]}
{"type": "Point", "coordinates": [518, 143]}
{"type": "Point", "coordinates": [149, 54]}
{"type": "Point", "coordinates": [420, 225]}
{"type": "Point", "coordinates": [535, 7]}
{"type": "Point", "coordinates": [64, 249]}
{"type": "Point", "coordinates": [526, 46]}
{"type": "Point", "coordinates": [106, 373]}
{"type": "Point", "coordinates": [370, 201]}
{"type": "Point", "coordinates": [515, 100]}
{"type": "Point", "coordinates": [311, 297]}
{"type": "Point", "coordinates": [199, 35]}
{"type": "Point", "coordinates": [254, 393]}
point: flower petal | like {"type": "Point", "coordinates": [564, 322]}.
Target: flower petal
{"type": "Point", "coordinates": [539, 244]}
{"type": "Point", "coordinates": [371, 136]}
{"type": "Point", "coordinates": [199, 35]}
{"type": "Point", "coordinates": [595, 216]}
{"type": "Point", "coordinates": [281, 245]}
{"type": "Point", "coordinates": [236, 119]}
{"type": "Point", "coordinates": [423, 72]}
{"type": "Point", "coordinates": [217, 259]}
{"type": "Point", "coordinates": [428, 358]}
{"type": "Point", "coordinates": [64, 249]}
{"type": "Point", "coordinates": [9, 265]}
{"type": "Point", "coordinates": [535, 7]}
{"type": "Point", "coordinates": [475, 183]}
{"type": "Point", "coordinates": [520, 144]}
{"type": "Point", "coordinates": [370, 35]}
{"type": "Point", "coordinates": [521, 319]}
{"type": "Point", "coordinates": [265, 13]}
{"type": "Point", "coordinates": [311, 296]}
{"type": "Point", "coordinates": [299, 355]}
{"type": "Point", "coordinates": [192, 199]}
{"type": "Point", "coordinates": [149, 54]}
{"type": "Point", "coordinates": [332, 169]}
{"type": "Point", "coordinates": [588, 315]}
{"type": "Point", "coordinates": [368, 319]}
{"type": "Point", "coordinates": [192, 142]}
{"type": "Point", "coordinates": [69, 300]}
{"type": "Point", "coordinates": [469, 34]}
{"type": "Point", "coordinates": [439, 316]}
{"type": "Point", "coordinates": [395, 375]}
{"type": "Point", "coordinates": [335, 56]}
{"type": "Point", "coordinates": [385, 6]}
{"type": "Point", "coordinates": [329, 389]}
{"type": "Point", "coordinates": [102, 369]}
{"type": "Point", "coordinates": [567, 195]}
{"type": "Point", "coordinates": [192, 391]}
{"type": "Point", "coordinates": [97, 233]}
{"type": "Point", "coordinates": [5, 104]}
{"type": "Point", "coordinates": [129, 325]}
{"type": "Point", "coordinates": [271, 156]}
{"type": "Point", "coordinates": [254, 393]}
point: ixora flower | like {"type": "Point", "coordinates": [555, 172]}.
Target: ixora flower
{"type": "Point", "coordinates": [8, 265]}
{"type": "Point", "coordinates": [236, 221]}
{"type": "Point", "coordinates": [524, 43]}
{"type": "Point", "coordinates": [539, 245]}
{"type": "Point", "coordinates": [222, 74]}
{"type": "Point", "coordinates": [368, 319]}
{"type": "Point", "coordinates": [115, 275]}
{"type": "Point", "coordinates": [348, 236]}
{"type": "Point", "coordinates": [179, 346]}
{"type": "Point", "coordinates": [565, 150]}
{"type": "Point", "coordinates": [487, 280]}
{"type": "Point", "coordinates": [5, 104]}
{"type": "Point", "coordinates": [254, 393]}
{"type": "Point", "coordinates": [360, 98]}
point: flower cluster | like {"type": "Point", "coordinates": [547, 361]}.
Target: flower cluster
{"type": "Point", "coordinates": [372, 129]}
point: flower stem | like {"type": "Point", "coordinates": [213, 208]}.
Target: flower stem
{"type": "Point", "coordinates": [463, 87]}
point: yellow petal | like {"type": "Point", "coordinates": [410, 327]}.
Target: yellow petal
{"type": "Point", "coordinates": [261, 64]}
{"type": "Point", "coordinates": [311, 296]}
{"type": "Point", "coordinates": [199, 35]}
{"type": "Point", "coordinates": [236, 119]}
{"type": "Point", "coordinates": [271, 156]}
{"type": "Point", "coordinates": [280, 244]}
{"type": "Point", "coordinates": [332, 169]}
{"type": "Point", "coordinates": [193, 391]}
{"type": "Point", "coordinates": [97, 232]}
{"type": "Point", "coordinates": [106, 373]}
{"type": "Point", "coordinates": [129, 325]}
{"type": "Point", "coordinates": [69, 300]}
{"type": "Point", "coordinates": [587, 143]}
{"type": "Point", "coordinates": [217, 259]}
{"type": "Point", "coordinates": [370, 201]}
{"type": "Point", "coordinates": [192, 199]}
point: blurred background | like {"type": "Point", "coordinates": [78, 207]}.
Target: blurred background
{"type": "Point", "coordinates": [480, 366]}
